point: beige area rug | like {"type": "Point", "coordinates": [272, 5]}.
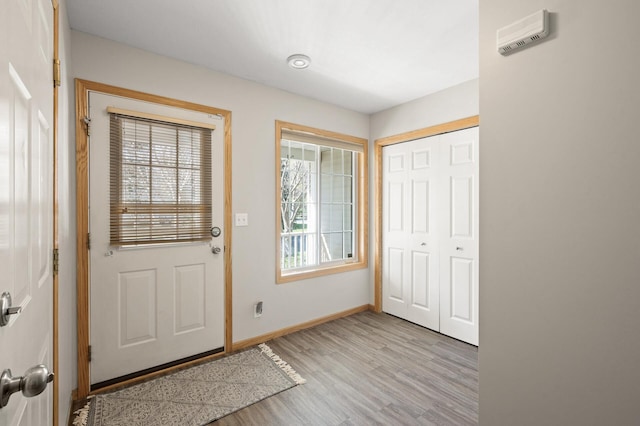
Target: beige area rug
{"type": "Point", "coordinates": [194, 396]}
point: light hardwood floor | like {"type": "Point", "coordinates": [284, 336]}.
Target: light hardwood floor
{"type": "Point", "coordinates": [369, 369]}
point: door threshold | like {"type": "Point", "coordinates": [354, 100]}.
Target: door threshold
{"type": "Point", "coordinates": [148, 373]}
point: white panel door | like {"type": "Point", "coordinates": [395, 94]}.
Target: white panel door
{"type": "Point", "coordinates": [410, 269]}
{"type": "Point", "coordinates": [430, 232]}
{"type": "Point", "coordinates": [459, 241]}
{"type": "Point", "coordinates": [26, 198]}
{"type": "Point", "coordinates": [150, 305]}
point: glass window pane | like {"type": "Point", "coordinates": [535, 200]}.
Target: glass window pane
{"type": "Point", "coordinates": [338, 183]}
{"type": "Point", "coordinates": [338, 155]}
{"type": "Point", "coordinates": [348, 163]}
{"type": "Point", "coordinates": [326, 190]}
{"type": "Point", "coordinates": [300, 223]}
{"type": "Point", "coordinates": [311, 252]}
{"type": "Point", "coordinates": [294, 180]}
{"type": "Point", "coordinates": [311, 217]}
{"type": "Point", "coordinates": [163, 185]}
{"type": "Point", "coordinates": [135, 184]}
{"type": "Point", "coordinates": [196, 188]}
{"type": "Point", "coordinates": [309, 153]}
{"type": "Point", "coordinates": [336, 217]}
{"type": "Point", "coordinates": [189, 148]}
{"type": "Point", "coordinates": [142, 152]}
{"type": "Point", "coordinates": [284, 149]}
{"type": "Point", "coordinates": [348, 245]}
{"type": "Point", "coordinates": [325, 217]}
{"type": "Point", "coordinates": [326, 160]}
{"type": "Point", "coordinates": [187, 186]}
{"type": "Point", "coordinates": [286, 217]}
{"type": "Point", "coordinates": [348, 217]}
{"type": "Point", "coordinates": [336, 246]}
{"type": "Point", "coordinates": [325, 254]}
{"type": "Point", "coordinates": [348, 189]}
{"type": "Point", "coordinates": [164, 146]}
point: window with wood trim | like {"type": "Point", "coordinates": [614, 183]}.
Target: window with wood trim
{"type": "Point", "coordinates": [160, 181]}
{"type": "Point", "coordinates": [321, 179]}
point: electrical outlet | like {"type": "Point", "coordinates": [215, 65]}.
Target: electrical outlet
{"type": "Point", "coordinates": [242, 219]}
{"type": "Point", "coordinates": [257, 310]}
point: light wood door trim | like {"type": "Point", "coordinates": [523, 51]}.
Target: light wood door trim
{"type": "Point", "coordinates": [83, 87]}
{"type": "Point", "coordinates": [439, 129]}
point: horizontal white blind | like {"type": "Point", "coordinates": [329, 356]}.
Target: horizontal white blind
{"type": "Point", "coordinates": [306, 137]}
{"type": "Point", "coordinates": [160, 181]}
{"type": "Point", "coordinates": [161, 118]}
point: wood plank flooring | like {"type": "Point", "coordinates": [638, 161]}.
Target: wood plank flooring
{"type": "Point", "coordinates": [369, 369]}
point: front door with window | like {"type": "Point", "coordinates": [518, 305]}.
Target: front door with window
{"type": "Point", "coordinates": [157, 285]}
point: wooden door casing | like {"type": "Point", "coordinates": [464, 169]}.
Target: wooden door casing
{"type": "Point", "coordinates": [83, 87]}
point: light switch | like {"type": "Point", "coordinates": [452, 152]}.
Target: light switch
{"type": "Point", "coordinates": [242, 219]}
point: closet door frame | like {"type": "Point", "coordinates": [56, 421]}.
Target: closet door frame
{"type": "Point", "coordinates": [451, 126]}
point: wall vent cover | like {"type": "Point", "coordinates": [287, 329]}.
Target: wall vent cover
{"type": "Point", "coordinates": [517, 35]}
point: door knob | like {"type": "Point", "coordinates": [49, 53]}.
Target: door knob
{"type": "Point", "coordinates": [216, 250]}
{"type": "Point", "coordinates": [6, 310]}
{"type": "Point", "coordinates": [33, 383]}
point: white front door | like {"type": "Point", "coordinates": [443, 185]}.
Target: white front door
{"type": "Point", "coordinates": [26, 198]}
{"type": "Point", "coordinates": [430, 232]}
{"type": "Point", "coordinates": [410, 244]}
{"type": "Point", "coordinates": [155, 304]}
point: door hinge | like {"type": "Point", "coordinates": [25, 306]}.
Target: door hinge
{"type": "Point", "coordinates": [88, 240]}
{"type": "Point", "coordinates": [87, 125]}
{"type": "Point", "coordinates": [89, 354]}
{"type": "Point", "coordinates": [56, 261]}
{"type": "Point", "coordinates": [57, 79]}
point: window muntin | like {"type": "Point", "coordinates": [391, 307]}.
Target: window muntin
{"type": "Point", "coordinates": [320, 188]}
{"type": "Point", "coordinates": [160, 182]}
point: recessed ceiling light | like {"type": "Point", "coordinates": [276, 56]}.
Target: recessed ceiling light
{"type": "Point", "coordinates": [299, 61]}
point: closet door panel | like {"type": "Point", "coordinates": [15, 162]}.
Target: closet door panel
{"type": "Point", "coordinates": [410, 166]}
{"type": "Point", "coordinates": [459, 238]}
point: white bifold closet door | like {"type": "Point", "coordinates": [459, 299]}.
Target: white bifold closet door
{"type": "Point", "coordinates": [430, 233]}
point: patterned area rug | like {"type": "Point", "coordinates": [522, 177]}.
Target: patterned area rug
{"type": "Point", "coordinates": [194, 396]}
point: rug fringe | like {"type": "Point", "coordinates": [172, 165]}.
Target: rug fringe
{"type": "Point", "coordinates": [282, 364]}
{"type": "Point", "coordinates": [82, 415]}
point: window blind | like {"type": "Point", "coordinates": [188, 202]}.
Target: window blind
{"type": "Point", "coordinates": [160, 181]}
{"type": "Point", "coordinates": [316, 139]}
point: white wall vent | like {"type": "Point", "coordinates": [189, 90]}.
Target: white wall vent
{"type": "Point", "coordinates": [532, 28]}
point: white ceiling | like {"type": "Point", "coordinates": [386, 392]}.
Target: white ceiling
{"type": "Point", "coordinates": [367, 55]}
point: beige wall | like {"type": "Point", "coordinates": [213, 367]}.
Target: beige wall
{"type": "Point", "coordinates": [450, 104]}
{"type": "Point", "coordinates": [559, 217]}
